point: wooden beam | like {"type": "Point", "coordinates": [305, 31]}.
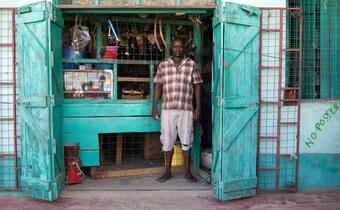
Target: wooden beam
{"type": "Point", "coordinates": [137, 9]}
{"type": "Point", "coordinates": [147, 142]}
{"type": "Point", "coordinates": [119, 149]}
{"type": "Point", "coordinates": [133, 79]}
{"type": "Point", "coordinates": [104, 124]}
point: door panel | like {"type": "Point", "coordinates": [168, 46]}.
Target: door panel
{"type": "Point", "coordinates": [38, 41]}
{"type": "Point", "coordinates": [216, 109]}
{"type": "Point", "coordinates": [235, 95]}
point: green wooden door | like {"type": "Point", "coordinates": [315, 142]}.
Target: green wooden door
{"type": "Point", "coordinates": [235, 96]}
{"type": "Point", "coordinates": [38, 40]}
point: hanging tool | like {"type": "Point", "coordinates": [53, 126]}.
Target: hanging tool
{"type": "Point", "coordinates": [161, 33]}
{"type": "Point", "coordinates": [114, 32]}
{"type": "Point", "coordinates": [190, 46]}
{"type": "Point", "coordinates": [195, 19]}
{"type": "Point", "coordinates": [155, 35]}
{"type": "Point", "coordinates": [140, 44]}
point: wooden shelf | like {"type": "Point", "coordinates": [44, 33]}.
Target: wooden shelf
{"type": "Point", "coordinates": [88, 91]}
{"type": "Point", "coordinates": [133, 79]}
{"type": "Point", "coordinates": [89, 70]}
{"type": "Point", "coordinates": [111, 61]}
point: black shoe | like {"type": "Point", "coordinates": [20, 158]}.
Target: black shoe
{"type": "Point", "coordinates": [190, 178]}
{"type": "Point", "coordinates": [165, 177]}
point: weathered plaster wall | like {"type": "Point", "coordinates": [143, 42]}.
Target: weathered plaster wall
{"type": "Point", "coordinates": [320, 127]}
{"type": "Point", "coordinates": [319, 171]}
{"type": "Point", "coordinates": [319, 162]}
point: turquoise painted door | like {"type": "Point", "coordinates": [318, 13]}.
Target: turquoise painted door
{"type": "Point", "coordinates": [38, 39]}
{"type": "Point", "coordinates": [235, 96]}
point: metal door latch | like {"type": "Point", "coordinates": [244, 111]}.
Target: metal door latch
{"type": "Point", "coordinates": [26, 104]}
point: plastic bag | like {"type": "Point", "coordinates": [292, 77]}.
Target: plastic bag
{"type": "Point", "coordinates": [81, 37]}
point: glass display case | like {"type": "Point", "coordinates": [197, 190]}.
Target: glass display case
{"type": "Point", "coordinates": [91, 84]}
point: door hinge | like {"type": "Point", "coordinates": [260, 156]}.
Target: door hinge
{"type": "Point", "coordinates": [219, 101]}
{"type": "Point", "coordinates": [51, 59]}
{"type": "Point", "coordinates": [54, 146]}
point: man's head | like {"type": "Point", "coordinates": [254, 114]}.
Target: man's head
{"type": "Point", "coordinates": [177, 47]}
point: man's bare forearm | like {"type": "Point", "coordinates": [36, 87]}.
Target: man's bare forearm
{"type": "Point", "coordinates": [157, 94]}
{"type": "Point", "coordinates": [197, 92]}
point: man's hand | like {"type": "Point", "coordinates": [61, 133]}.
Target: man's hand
{"type": "Point", "coordinates": [197, 114]}
{"type": "Point", "coordinates": [155, 114]}
{"type": "Point", "coordinates": [197, 111]}
{"type": "Point", "coordinates": [157, 95]}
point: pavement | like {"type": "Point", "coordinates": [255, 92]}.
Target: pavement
{"type": "Point", "coordinates": [146, 194]}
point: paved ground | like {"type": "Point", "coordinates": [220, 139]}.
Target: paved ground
{"type": "Point", "coordinates": [146, 194]}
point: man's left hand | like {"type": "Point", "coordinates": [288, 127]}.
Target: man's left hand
{"type": "Point", "coordinates": [197, 114]}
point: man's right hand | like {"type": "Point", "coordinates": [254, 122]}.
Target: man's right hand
{"type": "Point", "coordinates": [155, 114]}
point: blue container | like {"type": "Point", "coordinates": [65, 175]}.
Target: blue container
{"type": "Point", "coordinates": [70, 53]}
{"type": "Point", "coordinates": [104, 66]}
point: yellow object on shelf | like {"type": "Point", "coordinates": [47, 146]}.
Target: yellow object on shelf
{"type": "Point", "coordinates": [177, 158]}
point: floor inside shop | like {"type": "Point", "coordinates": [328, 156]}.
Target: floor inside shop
{"type": "Point", "coordinates": [139, 183]}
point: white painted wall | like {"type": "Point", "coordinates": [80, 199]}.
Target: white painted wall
{"type": "Point", "coordinates": [18, 3]}
{"type": "Point", "coordinates": [261, 3]}
{"type": "Point", "coordinates": [328, 139]}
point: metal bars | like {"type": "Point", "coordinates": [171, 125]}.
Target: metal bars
{"type": "Point", "coordinates": [130, 150]}
{"type": "Point", "coordinates": [279, 96]}
{"type": "Point", "coordinates": [320, 48]}
{"type": "Point", "coordinates": [8, 130]}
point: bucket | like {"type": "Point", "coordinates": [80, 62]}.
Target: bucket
{"type": "Point", "coordinates": [70, 53]}
{"type": "Point", "coordinates": [111, 52]}
{"type": "Point", "coordinates": [177, 158]}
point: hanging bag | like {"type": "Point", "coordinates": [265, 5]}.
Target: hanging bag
{"type": "Point", "coordinates": [81, 36]}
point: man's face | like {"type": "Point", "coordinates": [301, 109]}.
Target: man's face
{"type": "Point", "coordinates": [177, 48]}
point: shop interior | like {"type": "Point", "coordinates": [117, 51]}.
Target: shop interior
{"type": "Point", "coordinates": [112, 58]}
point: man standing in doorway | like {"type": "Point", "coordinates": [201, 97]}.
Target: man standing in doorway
{"type": "Point", "coordinates": [177, 80]}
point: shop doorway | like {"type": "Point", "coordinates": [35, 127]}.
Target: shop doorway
{"type": "Point", "coordinates": [232, 67]}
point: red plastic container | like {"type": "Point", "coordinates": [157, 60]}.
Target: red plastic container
{"type": "Point", "coordinates": [72, 160]}
{"type": "Point", "coordinates": [111, 52]}
{"type": "Point", "coordinates": [73, 176]}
